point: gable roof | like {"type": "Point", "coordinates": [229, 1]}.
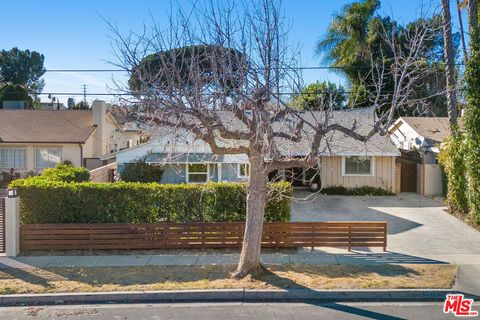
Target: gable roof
{"type": "Point", "coordinates": [46, 126]}
{"type": "Point", "coordinates": [334, 143]}
{"type": "Point", "coordinates": [435, 129]}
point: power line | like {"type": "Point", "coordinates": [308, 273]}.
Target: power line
{"type": "Point", "coordinates": [279, 68]}
{"type": "Point", "coordinates": [205, 94]}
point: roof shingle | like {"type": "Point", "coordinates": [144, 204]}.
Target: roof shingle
{"type": "Point", "coordinates": [45, 126]}
{"type": "Point", "coordinates": [433, 128]}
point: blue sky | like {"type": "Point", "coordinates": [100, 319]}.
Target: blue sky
{"type": "Point", "coordinates": [72, 35]}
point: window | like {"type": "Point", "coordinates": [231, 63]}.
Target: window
{"type": "Point", "coordinates": [243, 170]}
{"type": "Point", "coordinates": [12, 158]}
{"type": "Point", "coordinates": [197, 173]}
{"type": "Point", "coordinates": [357, 166]}
{"type": "Point", "coordinates": [47, 158]}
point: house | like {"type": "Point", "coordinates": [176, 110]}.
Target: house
{"type": "Point", "coordinates": [32, 140]}
{"type": "Point", "coordinates": [424, 134]}
{"type": "Point", "coordinates": [419, 139]}
{"type": "Point", "coordinates": [344, 161]}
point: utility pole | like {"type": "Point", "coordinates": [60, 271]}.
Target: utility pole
{"type": "Point", "coordinates": [85, 94]}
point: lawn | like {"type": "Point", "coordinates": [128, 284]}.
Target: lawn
{"type": "Point", "coordinates": [218, 277]}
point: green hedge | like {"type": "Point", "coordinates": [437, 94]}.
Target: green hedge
{"type": "Point", "coordinates": [47, 201]}
{"type": "Point", "coordinates": [66, 173]}
{"type": "Point", "coordinates": [358, 191]}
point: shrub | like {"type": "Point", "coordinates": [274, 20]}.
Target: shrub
{"type": "Point", "coordinates": [357, 191]}
{"type": "Point", "coordinates": [53, 201]}
{"type": "Point", "coordinates": [65, 173]}
{"type": "Point", "coordinates": [139, 171]}
{"type": "Point", "coordinates": [452, 159]}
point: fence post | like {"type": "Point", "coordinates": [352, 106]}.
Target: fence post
{"type": "Point", "coordinates": [12, 226]}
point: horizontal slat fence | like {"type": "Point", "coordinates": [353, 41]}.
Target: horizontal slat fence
{"type": "Point", "coordinates": [199, 235]}
{"type": "Point", "coordinates": [2, 225]}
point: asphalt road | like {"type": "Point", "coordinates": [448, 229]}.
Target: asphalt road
{"type": "Point", "coordinates": [220, 311]}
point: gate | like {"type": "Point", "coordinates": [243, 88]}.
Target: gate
{"type": "Point", "coordinates": [408, 180]}
{"type": "Point", "coordinates": [2, 225]}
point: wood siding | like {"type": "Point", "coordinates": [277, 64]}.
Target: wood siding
{"type": "Point", "coordinates": [384, 175]}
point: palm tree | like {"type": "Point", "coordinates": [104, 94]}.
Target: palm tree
{"type": "Point", "coordinates": [450, 64]}
{"type": "Point", "coordinates": [346, 41]}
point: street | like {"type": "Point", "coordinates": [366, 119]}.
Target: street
{"type": "Point", "coordinates": [232, 311]}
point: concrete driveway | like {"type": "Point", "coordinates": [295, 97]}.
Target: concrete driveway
{"type": "Point", "coordinates": [417, 227]}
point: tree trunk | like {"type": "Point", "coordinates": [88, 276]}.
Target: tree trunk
{"type": "Point", "coordinates": [473, 18]}
{"type": "Point", "coordinates": [256, 200]}
{"type": "Point", "coordinates": [462, 33]}
{"type": "Point", "coordinates": [450, 64]}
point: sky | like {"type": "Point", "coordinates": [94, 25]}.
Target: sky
{"type": "Point", "coordinates": [72, 34]}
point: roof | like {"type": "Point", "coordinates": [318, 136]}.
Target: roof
{"type": "Point", "coordinates": [45, 126]}
{"type": "Point", "coordinates": [184, 158]}
{"type": "Point", "coordinates": [432, 128]}
{"type": "Point", "coordinates": [334, 143]}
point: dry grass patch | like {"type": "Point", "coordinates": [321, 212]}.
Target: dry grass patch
{"type": "Point", "coordinates": [218, 277]}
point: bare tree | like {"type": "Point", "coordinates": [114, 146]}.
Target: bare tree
{"type": "Point", "coordinates": [224, 74]}
{"type": "Point", "coordinates": [450, 64]}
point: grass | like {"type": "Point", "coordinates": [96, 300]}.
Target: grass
{"type": "Point", "coordinates": [218, 277]}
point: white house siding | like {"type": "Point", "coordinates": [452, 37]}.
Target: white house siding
{"type": "Point", "coordinates": [383, 177]}
{"type": "Point", "coordinates": [403, 136]}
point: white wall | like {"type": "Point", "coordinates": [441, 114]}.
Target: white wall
{"type": "Point", "coordinates": [433, 184]}
{"type": "Point", "coordinates": [403, 136]}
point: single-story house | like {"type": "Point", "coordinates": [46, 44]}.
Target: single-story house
{"type": "Point", "coordinates": [344, 161]}
{"type": "Point", "coordinates": [419, 139]}
{"type": "Point", "coordinates": [32, 140]}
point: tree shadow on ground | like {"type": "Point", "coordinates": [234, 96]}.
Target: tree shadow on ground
{"type": "Point", "coordinates": [289, 285]}
{"type": "Point", "coordinates": [34, 276]}
{"type": "Point", "coordinates": [220, 275]}
{"type": "Point", "coordinates": [360, 208]}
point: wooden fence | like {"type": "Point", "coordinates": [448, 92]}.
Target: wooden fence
{"type": "Point", "coordinates": [2, 225]}
{"type": "Point", "coordinates": [199, 235]}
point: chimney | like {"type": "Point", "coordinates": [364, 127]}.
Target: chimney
{"type": "Point", "coordinates": [99, 109]}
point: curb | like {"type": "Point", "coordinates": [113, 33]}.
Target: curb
{"type": "Point", "coordinates": [231, 295]}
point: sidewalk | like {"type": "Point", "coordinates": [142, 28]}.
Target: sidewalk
{"type": "Point", "coordinates": [302, 257]}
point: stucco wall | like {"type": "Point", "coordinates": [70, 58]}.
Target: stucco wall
{"type": "Point", "coordinates": [102, 174]}
{"type": "Point", "coordinates": [69, 152]}
{"type": "Point", "coordinates": [384, 174]}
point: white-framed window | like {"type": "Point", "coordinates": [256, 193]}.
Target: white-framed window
{"type": "Point", "coordinates": [47, 157]}
{"type": "Point", "coordinates": [198, 173]}
{"type": "Point", "coordinates": [358, 166]}
{"type": "Point", "coordinates": [13, 158]}
{"type": "Point", "coordinates": [243, 170]}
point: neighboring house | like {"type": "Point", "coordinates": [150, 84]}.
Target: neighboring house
{"type": "Point", "coordinates": [419, 138]}
{"type": "Point", "coordinates": [32, 140]}
{"type": "Point", "coordinates": [344, 161]}
{"type": "Point", "coordinates": [424, 134]}
{"type": "Point", "coordinates": [51, 106]}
